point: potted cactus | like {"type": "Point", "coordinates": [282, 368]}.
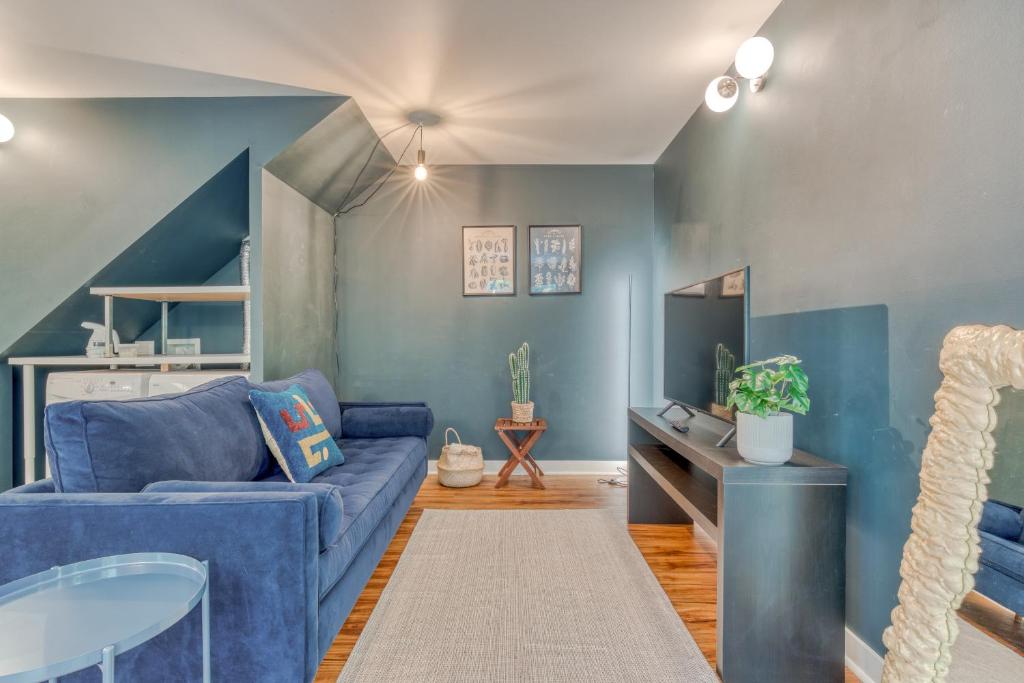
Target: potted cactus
{"type": "Point", "coordinates": [761, 394]}
{"type": "Point", "coordinates": [725, 368]}
{"type": "Point", "coordinates": [519, 367]}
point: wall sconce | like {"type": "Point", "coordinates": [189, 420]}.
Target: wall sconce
{"type": "Point", "coordinates": [6, 129]}
{"type": "Point", "coordinates": [753, 59]}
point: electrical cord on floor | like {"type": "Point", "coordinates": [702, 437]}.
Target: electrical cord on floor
{"type": "Point", "coordinates": [620, 481]}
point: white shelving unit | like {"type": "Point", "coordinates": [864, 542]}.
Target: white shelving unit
{"type": "Point", "coordinates": [161, 295]}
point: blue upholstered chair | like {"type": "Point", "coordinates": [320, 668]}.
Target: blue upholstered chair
{"type": "Point", "coordinates": [1001, 572]}
{"type": "Point", "coordinates": [191, 474]}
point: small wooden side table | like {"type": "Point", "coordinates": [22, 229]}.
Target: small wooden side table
{"type": "Point", "coordinates": [519, 447]}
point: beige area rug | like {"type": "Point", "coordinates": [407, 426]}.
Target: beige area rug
{"type": "Point", "coordinates": [979, 657]}
{"type": "Point", "coordinates": [524, 596]}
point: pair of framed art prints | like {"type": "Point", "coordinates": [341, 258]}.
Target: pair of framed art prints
{"type": "Point", "coordinates": [489, 259]}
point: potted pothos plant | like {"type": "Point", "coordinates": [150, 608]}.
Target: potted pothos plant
{"type": "Point", "coordinates": [765, 395]}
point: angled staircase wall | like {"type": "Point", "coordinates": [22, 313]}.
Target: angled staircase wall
{"type": "Point", "coordinates": [88, 179]}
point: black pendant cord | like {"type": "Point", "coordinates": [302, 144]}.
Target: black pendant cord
{"type": "Point", "coordinates": [345, 208]}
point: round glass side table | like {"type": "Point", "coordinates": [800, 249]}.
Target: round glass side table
{"type": "Point", "coordinates": [69, 618]}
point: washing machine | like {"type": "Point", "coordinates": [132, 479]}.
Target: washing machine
{"type": "Point", "coordinates": [161, 383]}
{"type": "Point", "coordinates": [120, 385]}
{"type": "Point", "coordinates": [97, 385]}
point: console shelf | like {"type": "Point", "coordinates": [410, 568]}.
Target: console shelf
{"type": "Point", "coordinates": [695, 497]}
{"type": "Point", "coordinates": [780, 534]}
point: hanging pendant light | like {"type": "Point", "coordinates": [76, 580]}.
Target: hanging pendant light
{"type": "Point", "coordinates": [421, 161]}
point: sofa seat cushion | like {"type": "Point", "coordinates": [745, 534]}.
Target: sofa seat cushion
{"type": "Point", "coordinates": [370, 481]}
{"type": "Point", "coordinates": [328, 499]}
{"type": "Point", "coordinates": [1002, 555]}
{"type": "Point", "coordinates": [207, 434]}
{"type": "Point", "coordinates": [320, 393]}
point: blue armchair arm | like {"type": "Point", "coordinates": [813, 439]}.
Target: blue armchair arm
{"type": "Point", "coordinates": [262, 549]}
{"type": "Point", "coordinates": [382, 420]}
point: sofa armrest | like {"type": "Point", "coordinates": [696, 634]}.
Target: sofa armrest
{"type": "Point", "coordinates": [262, 550]}
{"type": "Point", "coordinates": [40, 486]}
{"type": "Point", "coordinates": [382, 420]}
{"type": "Point", "coordinates": [328, 497]}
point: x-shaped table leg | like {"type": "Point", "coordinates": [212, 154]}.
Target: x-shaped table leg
{"type": "Point", "coordinates": [520, 451]}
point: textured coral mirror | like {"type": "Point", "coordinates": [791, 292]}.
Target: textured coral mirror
{"type": "Point", "coordinates": [962, 592]}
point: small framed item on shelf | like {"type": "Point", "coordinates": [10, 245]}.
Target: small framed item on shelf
{"type": "Point", "coordinates": [184, 347]}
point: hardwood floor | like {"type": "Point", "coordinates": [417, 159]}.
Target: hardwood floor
{"type": "Point", "coordinates": [682, 559]}
{"type": "Point", "coordinates": [993, 619]}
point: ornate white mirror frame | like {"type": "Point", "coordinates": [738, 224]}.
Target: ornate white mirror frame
{"type": "Point", "coordinates": [941, 556]}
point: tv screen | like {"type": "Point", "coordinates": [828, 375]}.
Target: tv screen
{"type": "Point", "coordinates": [697, 319]}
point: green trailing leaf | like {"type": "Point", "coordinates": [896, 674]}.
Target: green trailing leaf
{"type": "Point", "coordinates": [767, 387]}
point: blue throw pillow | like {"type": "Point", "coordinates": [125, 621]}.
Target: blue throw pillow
{"type": "Point", "coordinates": [295, 433]}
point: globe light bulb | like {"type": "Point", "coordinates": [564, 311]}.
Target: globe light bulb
{"type": "Point", "coordinates": [6, 129]}
{"type": "Point", "coordinates": [754, 57]}
{"type": "Point", "coordinates": [421, 172]}
{"type": "Point", "coordinates": [722, 93]}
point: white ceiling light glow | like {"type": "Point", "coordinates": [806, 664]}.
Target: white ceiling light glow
{"type": "Point", "coordinates": [421, 166]}
{"type": "Point", "coordinates": [722, 94]}
{"type": "Point", "coordinates": [754, 57]}
{"type": "Point", "coordinates": [753, 60]}
{"type": "Point", "coordinates": [6, 129]}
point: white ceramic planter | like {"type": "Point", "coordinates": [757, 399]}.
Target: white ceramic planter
{"type": "Point", "coordinates": [765, 440]}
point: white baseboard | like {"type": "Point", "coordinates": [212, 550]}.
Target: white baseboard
{"type": "Point", "coordinates": [596, 467]}
{"type": "Point", "coordinates": [865, 663]}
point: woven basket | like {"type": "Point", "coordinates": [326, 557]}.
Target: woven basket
{"type": "Point", "coordinates": [522, 412]}
{"type": "Point", "coordinates": [460, 465]}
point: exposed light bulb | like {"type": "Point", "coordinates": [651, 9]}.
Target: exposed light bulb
{"type": "Point", "coordinates": [722, 93]}
{"type": "Point", "coordinates": [421, 165]}
{"type": "Point", "coordinates": [6, 129]}
{"type": "Point", "coordinates": [754, 57]}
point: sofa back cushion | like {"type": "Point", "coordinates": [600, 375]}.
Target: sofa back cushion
{"type": "Point", "coordinates": [320, 394]}
{"type": "Point", "coordinates": [207, 434]}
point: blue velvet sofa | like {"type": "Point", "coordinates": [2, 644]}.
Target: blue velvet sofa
{"type": "Point", "coordinates": [190, 474]}
{"type": "Point", "coordinates": [1001, 565]}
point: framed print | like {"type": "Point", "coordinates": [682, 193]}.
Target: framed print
{"type": "Point", "coordinates": [733, 285]}
{"type": "Point", "coordinates": [488, 260]}
{"type": "Point", "coordinates": [556, 259]}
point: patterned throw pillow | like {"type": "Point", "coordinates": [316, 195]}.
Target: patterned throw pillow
{"type": "Point", "coordinates": [295, 433]}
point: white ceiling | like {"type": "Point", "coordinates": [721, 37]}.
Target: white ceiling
{"type": "Point", "coordinates": [515, 81]}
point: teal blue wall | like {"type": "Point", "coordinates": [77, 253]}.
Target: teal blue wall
{"type": "Point", "coordinates": [1008, 472]}
{"type": "Point", "coordinates": [406, 331]}
{"type": "Point", "coordinates": [874, 187]}
{"type": "Point", "coordinates": [298, 273]}
{"type": "Point", "coordinates": [85, 179]}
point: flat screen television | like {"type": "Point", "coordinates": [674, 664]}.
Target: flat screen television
{"type": "Point", "coordinates": [697, 319]}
